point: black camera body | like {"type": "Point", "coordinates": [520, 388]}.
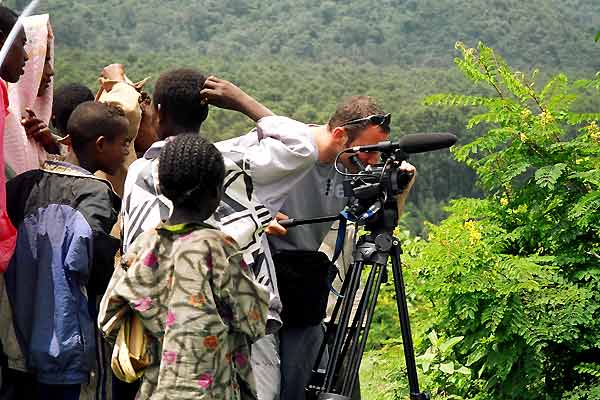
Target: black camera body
{"type": "Point", "coordinates": [375, 185]}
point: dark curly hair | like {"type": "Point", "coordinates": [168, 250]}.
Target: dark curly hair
{"type": "Point", "coordinates": [191, 172]}
{"type": "Point", "coordinates": [66, 99]}
{"type": "Point", "coordinates": [91, 119]}
{"type": "Point", "coordinates": [177, 93]}
{"type": "Point", "coordinates": [8, 18]}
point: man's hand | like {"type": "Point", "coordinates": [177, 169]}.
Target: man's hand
{"type": "Point", "coordinates": [114, 72]}
{"type": "Point", "coordinates": [38, 130]}
{"type": "Point", "coordinates": [224, 94]}
{"type": "Point", "coordinates": [274, 228]}
{"type": "Point", "coordinates": [401, 198]}
{"type": "Point", "coordinates": [147, 134]}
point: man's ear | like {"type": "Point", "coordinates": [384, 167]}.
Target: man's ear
{"type": "Point", "coordinates": [339, 134]}
{"type": "Point", "coordinates": [100, 143]}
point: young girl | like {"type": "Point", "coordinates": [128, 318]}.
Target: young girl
{"type": "Point", "coordinates": [188, 284]}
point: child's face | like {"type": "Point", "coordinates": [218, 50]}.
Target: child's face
{"type": "Point", "coordinates": [48, 72]}
{"type": "Point", "coordinates": [14, 65]}
{"type": "Point", "coordinates": [112, 152]}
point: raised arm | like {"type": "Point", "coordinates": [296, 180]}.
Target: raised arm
{"type": "Point", "coordinates": [224, 94]}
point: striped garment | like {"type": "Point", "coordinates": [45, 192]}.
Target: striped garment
{"type": "Point", "coordinates": [239, 215]}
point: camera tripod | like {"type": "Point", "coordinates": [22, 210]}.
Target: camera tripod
{"type": "Point", "coordinates": [346, 342]}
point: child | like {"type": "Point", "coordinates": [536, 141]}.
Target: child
{"type": "Point", "coordinates": [64, 253]}
{"type": "Point", "coordinates": [26, 144]}
{"type": "Point", "coordinates": [189, 285]}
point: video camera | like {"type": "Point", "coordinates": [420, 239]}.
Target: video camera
{"type": "Point", "coordinates": [375, 185]}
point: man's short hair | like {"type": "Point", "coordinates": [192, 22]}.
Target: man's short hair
{"type": "Point", "coordinates": [8, 18]}
{"type": "Point", "coordinates": [190, 169]}
{"type": "Point", "coordinates": [177, 93]}
{"type": "Point", "coordinates": [92, 119]}
{"type": "Point", "coordinates": [66, 99]}
{"type": "Point", "coordinates": [354, 107]}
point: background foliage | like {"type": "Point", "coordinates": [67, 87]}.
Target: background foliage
{"type": "Point", "coordinates": [507, 285]}
{"type": "Point", "coordinates": [388, 32]}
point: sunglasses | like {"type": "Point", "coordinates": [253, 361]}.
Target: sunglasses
{"type": "Point", "coordinates": [382, 120]}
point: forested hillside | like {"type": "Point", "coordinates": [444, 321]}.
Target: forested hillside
{"type": "Point", "coordinates": [385, 32]}
{"type": "Point", "coordinates": [301, 57]}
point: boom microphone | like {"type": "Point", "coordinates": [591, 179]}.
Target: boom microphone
{"type": "Point", "coordinates": [410, 144]}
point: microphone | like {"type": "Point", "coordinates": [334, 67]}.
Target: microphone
{"type": "Point", "coordinates": [410, 144]}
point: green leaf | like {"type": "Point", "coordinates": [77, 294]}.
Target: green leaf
{"type": "Point", "coordinates": [450, 343]}
{"type": "Point", "coordinates": [476, 356]}
{"type": "Point", "coordinates": [597, 37]}
{"type": "Point", "coordinates": [447, 368]}
{"type": "Point", "coordinates": [546, 177]}
{"type": "Point", "coordinates": [464, 370]}
{"type": "Point", "coordinates": [433, 338]}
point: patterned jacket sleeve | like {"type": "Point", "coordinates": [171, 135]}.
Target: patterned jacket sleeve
{"type": "Point", "coordinates": [121, 294]}
{"type": "Point", "coordinates": [238, 291]}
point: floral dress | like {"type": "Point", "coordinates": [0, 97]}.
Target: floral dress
{"type": "Point", "coordinates": [202, 306]}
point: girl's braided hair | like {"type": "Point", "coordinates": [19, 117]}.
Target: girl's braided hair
{"type": "Point", "coordinates": [190, 171]}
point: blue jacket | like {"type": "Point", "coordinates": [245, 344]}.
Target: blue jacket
{"type": "Point", "coordinates": [64, 255]}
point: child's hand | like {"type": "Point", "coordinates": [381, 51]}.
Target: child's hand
{"type": "Point", "coordinates": [222, 94]}
{"type": "Point", "coordinates": [37, 129]}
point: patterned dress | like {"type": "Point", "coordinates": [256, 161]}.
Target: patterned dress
{"type": "Point", "coordinates": [199, 301]}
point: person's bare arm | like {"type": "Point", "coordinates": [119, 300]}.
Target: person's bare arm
{"type": "Point", "coordinates": [224, 94]}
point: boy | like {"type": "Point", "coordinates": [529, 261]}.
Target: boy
{"type": "Point", "coordinates": [188, 284]}
{"type": "Point", "coordinates": [64, 253]}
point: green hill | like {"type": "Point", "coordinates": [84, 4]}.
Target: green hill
{"type": "Point", "coordinates": [301, 57]}
{"type": "Point", "coordinates": [388, 32]}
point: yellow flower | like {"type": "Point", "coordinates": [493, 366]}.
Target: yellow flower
{"type": "Point", "coordinates": [593, 131]}
{"type": "Point", "coordinates": [526, 113]}
{"type": "Point", "coordinates": [474, 234]}
{"type": "Point", "coordinates": [504, 201]}
{"type": "Point", "coordinates": [546, 119]}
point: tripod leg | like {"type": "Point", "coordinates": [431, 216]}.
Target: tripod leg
{"type": "Point", "coordinates": [352, 343]}
{"type": "Point", "coordinates": [330, 332]}
{"type": "Point", "coordinates": [356, 356]}
{"type": "Point", "coordinates": [409, 353]}
{"type": "Point", "coordinates": [343, 322]}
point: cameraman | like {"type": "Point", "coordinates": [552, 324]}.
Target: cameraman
{"type": "Point", "coordinates": [293, 173]}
